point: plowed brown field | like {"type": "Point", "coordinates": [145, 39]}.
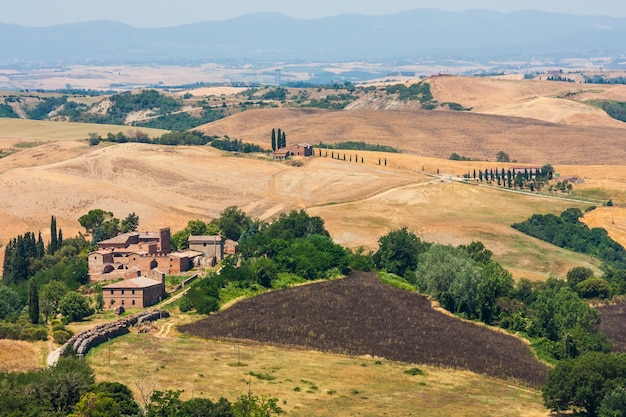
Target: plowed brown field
{"type": "Point", "coordinates": [359, 315]}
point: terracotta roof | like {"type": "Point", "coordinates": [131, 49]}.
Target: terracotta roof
{"type": "Point", "coordinates": [186, 254]}
{"type": "Point", "coordinates": [139, 282]}
{"type": "Point", "coordinates": [202, 239]}
{"type": "Point", "coordinates": [123, 238]}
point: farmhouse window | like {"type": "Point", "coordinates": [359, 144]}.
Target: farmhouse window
{"type": "Point", "coordinates": [204, 244]}
{"type": "Point", "coordinates": [133, 293]}
{"type": "Point", "coordinates": [122, 292]}
{"type": "Point", "coordinates": [112, 291]}
{"type": "Point", "coordinates": [122, 301]}
{"type": "Point", "coordinates": [133, 302]}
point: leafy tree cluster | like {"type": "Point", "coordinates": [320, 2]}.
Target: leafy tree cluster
{"type": "Point", "coordinates": [182, 121]}
{"type": "Point", "coordinates": [454, 106]}
{"type": "Point", "coordinates": [358, 146]}
{"type": "Point", "coordinates": [73, 110]}
{"type": "Point", "coordinates": [599, 79]}
{"type": "Point", "coordinates": [419, 91]}
{"type": "Point", "coordinates": [47, 392]}
{"type": "Point", "coordinates": [278, 93]}
{"type": "Point", "coordinates": [466, 281]}
{"type": "Point", "coordinates": [45, 107]}
{"type": "Point", "coordinates": [7, 111]}
{"type": "Point", "coordinates": [591, 385]}
{"type": "Point", "coordinates": [615, 109]}
{"type": "Point", "coordinates": [102, 225]}
{"type": "Point", "coordinates": [295, 243]}
{"type": "Point", "coordinates": [567, 231]}
{"type": "Point", "coordinates": [330, 102]}
{"type": "Point", "coordinates": [456, 157]}
{"type": "Point", "coordinates": [235, 145]}
{"type": "Point", "coordinates": [193, 138]}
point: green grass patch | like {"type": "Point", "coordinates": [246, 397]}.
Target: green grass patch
{"type": "Point", "coordinates": [261, 376]}
{"type": "Point", "coordinates": [396, 281]}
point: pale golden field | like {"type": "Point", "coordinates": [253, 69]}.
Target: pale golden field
{"type": "Point", "coordinates": [18, 356]}
{"type": "Point", "coordinates": [307, 383]}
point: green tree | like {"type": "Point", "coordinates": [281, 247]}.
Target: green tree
{"type": "Point", "coordinates": [130, 223]}
{"type": "Point", "coordinates": [233, 222]}
{"type": "Point", "coordinates": [582, 384]}
{"type": "Point", "coordinates": [577, 275]}
{"type": "Point", "coordinates": [10, 302]}
{"type": "Point", "coordinates": [51, 295]}
{"type": "Point", "coordinates": [398, 251]}
{"type": "Point", "coordinates": [93, 219]}
{"type": "Point", "coordinates": [264, 271]}
{"type": "Point", "coordinates": [121, 394]}
{"type": "Point", "coordinates": [273, 139]}
{"type": "Point", "coordinates": [450, 276]}
{"type": "Point", "coordinates": [54, 242]}
{"type": "Point", "coordinates": [614, 403]}
{"type": "Point", "coordinates": [96, 405]}
{"type": "Point", "coordinates": [251, 405]}
{"type": "Point", "coordinates": [75, 306]}
{"type": "Point", "coordinates": [33, 302]}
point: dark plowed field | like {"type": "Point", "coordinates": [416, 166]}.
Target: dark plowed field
{"type": "Point", "coordinates": [361, 316]}
{"type": "Point", "coordinates": [614, 325]}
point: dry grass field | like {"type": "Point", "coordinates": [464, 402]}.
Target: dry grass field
{"type": "Point", "coordinates": [18, 356]}
{"type": "Point", "coordinates": [556, 102]}
{"type": "Point", "coordinates": [307, 383]}
{"type": "Point", "coordinates": [435, 134]}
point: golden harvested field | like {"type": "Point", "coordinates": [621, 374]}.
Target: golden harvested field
{"type": "Point", "coordinates": [18, 356]}
{"type": "Point", "coordinates": [435, 134]}
{"type": "Point", "coordinates": [15, 131]}
{"type": "Point", "coordinates": [556, 102]}
{"type": "Point", "coordinates": [307, 383]}
{"type": "Point", "coordinates": [167, 186]}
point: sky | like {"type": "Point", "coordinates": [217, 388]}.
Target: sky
{"type": "Point", "coordinates": [160, 13]}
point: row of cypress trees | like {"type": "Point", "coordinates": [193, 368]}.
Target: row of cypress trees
{"type": "Point", "coordinates": [278, 140]}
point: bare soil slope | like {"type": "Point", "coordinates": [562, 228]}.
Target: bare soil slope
{"type": "Point", "coordinates": [435, 134]}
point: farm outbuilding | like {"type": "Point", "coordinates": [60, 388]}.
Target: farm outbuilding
{"type": "Point", "coordinates": [136, 292]}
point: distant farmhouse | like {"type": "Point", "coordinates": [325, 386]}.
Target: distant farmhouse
{"type": "Point", "coordinates": [297, 149]}
{"type": "Point", "coordinates": [143, 260]}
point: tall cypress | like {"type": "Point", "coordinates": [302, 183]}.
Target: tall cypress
{"type": "Point", "coordinates": [41, 249]}
{"type": "Point", "coordinates": [273, 139]}
{"type": "Point", "coordinates": [33, 302]}
{"type": "Point", "coordinates": [284, 140]}
{"type": "Point", "coordinates": [60, 239]}
{"type": "Point", "coordinates": [278, 139]}
{"type": "Point", "coordinates": [53, 245]}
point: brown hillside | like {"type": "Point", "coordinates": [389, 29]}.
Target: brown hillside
{"type": "Point", "coordinates": [361, 316]}
{"type": "Point", "coordinates": [435, 134]}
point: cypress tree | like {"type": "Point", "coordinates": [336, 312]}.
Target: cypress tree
{"type": "Point", "coordinates": [60, 239]}
{"type": "Point", "coordinates": [41, 249]}
{"type": "Point", "coordinates": [53, 245]}
{"type": "Point", "coordinates": [278, 141]}
{"type": "Point", "coordinates": [273, 139]}
{"type": "Point", "coordinates": [361, 159]}
{"type": "Point", "coordinates": [33, 302]}
{"type": "Point", "coordinates": [385, 161]}
{"type": "Point", "coordinates": [284, 140]}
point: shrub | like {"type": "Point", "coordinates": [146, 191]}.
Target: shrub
{"type": "Point", "coordinates": [61, 336]}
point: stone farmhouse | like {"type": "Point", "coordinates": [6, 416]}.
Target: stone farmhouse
{"type": "Point", "coordinates": [136, 292]}
{"type": "Point", "coordinates": [297, 149]}
{"type": "Point", "coordinates": [131, 254]}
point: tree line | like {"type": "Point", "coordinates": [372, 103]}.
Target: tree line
{"type": "Point", "coordinates": [69, 389]}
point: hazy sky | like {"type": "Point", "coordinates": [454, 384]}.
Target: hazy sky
{"type": "Point", "coordinates": [157, 13]}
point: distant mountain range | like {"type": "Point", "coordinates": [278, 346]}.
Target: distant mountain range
{"type": "Point", "coordinates": [269, 37]}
